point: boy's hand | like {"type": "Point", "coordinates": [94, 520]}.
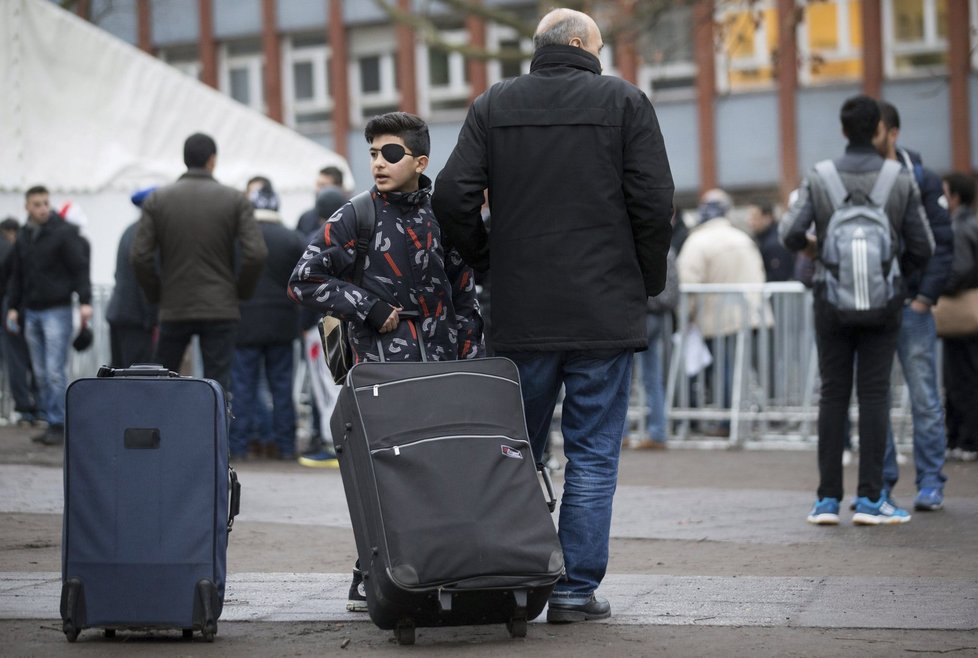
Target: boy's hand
{"type": "Point", "coordinates": [391, 323]}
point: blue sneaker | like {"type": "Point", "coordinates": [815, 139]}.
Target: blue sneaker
{"type": "Point", "coordinates": [929, 499]}
{"type": "Point", "coordinates": [881, 512]}
{"type": "Point", "coordinates": [884, 494]}
{"type": "Point", "coordinates": [324, 458]}
{"type": "Point", "coordinates": [825, 512]}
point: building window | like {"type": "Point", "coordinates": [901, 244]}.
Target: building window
{"type": "Point", "coordinates": [915, 36]}
{"type": "Point", "coordinates": [830, 42]}
{"type": "Point", "coordinates": [183, 59]}
{"type": "Point", "coordinates": [373, 72]}
{"type": "Point", "coordinates": [518, 53]}
{"type": "Point", "coordinates": [443, 76]}
{"type": "Point", "coordinates": [306, 85]}
{"type": "Point", "coordinates": [665, 47]}
{"type": "Point", "coordinates": [748, 36]}
{"type": "Point", "coordinates": [240, 74]}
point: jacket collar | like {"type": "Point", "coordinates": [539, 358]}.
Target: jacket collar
{"type": "Point", "coordinates": [195, 172]}
{"type": "Point", "coordinates": [408, 199]}
{"type": "Point", "coordinates": [578, 58]}
{"type": "Point", "coordinates": [857, 147]}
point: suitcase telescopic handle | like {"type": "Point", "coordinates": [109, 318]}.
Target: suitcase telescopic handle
{"type": "Point", "coordinates": [549, 484]}
{"type": "Point", "coordinates": [234, 505]}
{"type": "Point", "coordinates": [137, 370]}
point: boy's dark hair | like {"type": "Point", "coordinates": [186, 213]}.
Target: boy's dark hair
{"type": "Point", "coordinates": [333, 172]}
{"type": "Point", "coordinates": [889, 115]}
{"type": "Point", "coordinates": [197, 150]}
{"type": "Point", "coordinates": [963, 185]}
{"type": "Point", "coordinates": [9, 224]}
{"type": "Point", "coordinates": [37, 189]}
{"type": "Point", "coordinates": [860, 116]}
{"type": "Point", "coordinates": [412, 129]}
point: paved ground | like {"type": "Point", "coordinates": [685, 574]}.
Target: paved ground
{"type": "Point", "coordinates": [710, 556]}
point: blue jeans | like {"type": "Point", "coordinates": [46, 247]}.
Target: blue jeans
{"type": "Point", "coordinates": [246, 401]}
{"type": "Point", "coordinates": [48, 334]}
{"type": "Point", "coordinates": [917, 351]}
{"type": "Point", "coordinates": [596, 385]}
{"type": "Point", "coordinates": [651, 359]}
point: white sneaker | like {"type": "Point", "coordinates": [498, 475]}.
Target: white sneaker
{"type": "Point", "coordinates": [969, 456]}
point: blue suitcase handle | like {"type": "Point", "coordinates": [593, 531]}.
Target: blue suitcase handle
{"type": "Point", "coordinates": [137, 370]}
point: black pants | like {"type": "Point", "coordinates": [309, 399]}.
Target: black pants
{"type": "Point", "coordinates": [961, 391]}
{"type": "Point", "coordinates": [217, 338]}
{"type": "Point", "coordinates": [130, 344]}
{"type": "Point", "coordinates": [870, 351]}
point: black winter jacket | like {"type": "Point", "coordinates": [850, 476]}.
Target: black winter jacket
{"type": "Point", "coordinates": [580, 192]}
{"type": "Point", "coordinates": [128, 305]}
{"type": "Point", "coordinates": [49, 266]}
{"type": "Point", "coordinates": [405, 265]}
{"type": "Point", "coordinates": [270, 317]}
{"type": "Point", "coordinates": [965, 271]}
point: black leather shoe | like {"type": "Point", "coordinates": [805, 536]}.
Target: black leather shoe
{"type": "Point", "coordinates": [564, 614]}
{"type": "Point", "coordinates": [54, 436]}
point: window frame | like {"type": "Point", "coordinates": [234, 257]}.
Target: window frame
{"type": "Point", "coordinates": [253, 63]}
{"type": "Point", "coordinates": [495, 35]}
{"type": "Point", "coordinates": [373, 42]}
{"type": "Point", "coordinates": [931, 43]}
{"type": "Point", "coordinates": [457, 89]}
{"type": "Point", "coordinates": [318, 56]}
{"type": "Point", "coordinates": [847, 50]}
{"type": "Point", "coordinates": [761, 57]}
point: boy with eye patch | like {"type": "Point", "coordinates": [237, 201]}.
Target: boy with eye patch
{"type": "Point", "coordinates": [407, 268]}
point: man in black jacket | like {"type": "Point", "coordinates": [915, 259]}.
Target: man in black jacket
{"type": "Point", "coordinates": [580, 193]}
{"type": "Point", "coordinates": [50, 263]}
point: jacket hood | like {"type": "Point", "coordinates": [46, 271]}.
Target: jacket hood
{"type": "Point", "coordinates": [550, 56]}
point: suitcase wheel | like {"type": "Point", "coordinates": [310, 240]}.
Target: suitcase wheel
{"type": "Point", "coordinates": [516, 627]}
{"type": "Point", "coordinates": [70, 631]}
{"type": "Point", "coordinates": [404, 633]}
{"type": "Point", "coordinates": [109, 632]}
{"type": "Point", "coordinates": [188, 633]}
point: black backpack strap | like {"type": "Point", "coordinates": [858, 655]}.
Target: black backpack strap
{"type": "Point", "coordinates": [366, 216]}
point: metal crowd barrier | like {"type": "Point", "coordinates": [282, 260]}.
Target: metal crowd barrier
{"type": "Point", "coordinates": [762, 386]}
{"type": "Point", "coordinates": [772, 360]}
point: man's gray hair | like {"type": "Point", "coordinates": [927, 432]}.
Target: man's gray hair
{"type": "Point", "coordinates": [560, 33]}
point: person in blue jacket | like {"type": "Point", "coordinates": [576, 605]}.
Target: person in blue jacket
{"type": "Point", "coordinates": [917, 340]}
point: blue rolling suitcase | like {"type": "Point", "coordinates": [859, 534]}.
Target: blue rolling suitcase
{"type": "Point", "coordinates": [149, 501]}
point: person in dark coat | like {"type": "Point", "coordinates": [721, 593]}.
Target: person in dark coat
{"type": "Point", "coordinates": [16, 357]}
{"type": "Point", "coordinates": [779, 263]}
{"type": "Point", "coordinates": [131, 318]}
{"type": "Point", "coordinates": [193, 229]}
{"type": "Point", "coordinates": [581, 196]}
{"type": "Point", "coordinates": [269, 325]}
{"type": "Point", "coordinates": [961, 352]}
{"type": "Point", "coordinates": [51, 263]}
{"type": "Point", "coordinates": [329, 178]}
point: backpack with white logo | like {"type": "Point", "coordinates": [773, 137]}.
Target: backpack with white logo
{"type": "Point", "coordinates": [861, 273]}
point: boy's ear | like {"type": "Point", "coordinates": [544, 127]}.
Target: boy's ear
{"type": "Point", "coordinates": [422, 163]}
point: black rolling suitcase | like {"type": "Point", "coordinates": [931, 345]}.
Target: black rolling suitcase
{"type": "Point", "coordinates": [451, 525]}
{"type": "Point", "coordinates": [149, 501]}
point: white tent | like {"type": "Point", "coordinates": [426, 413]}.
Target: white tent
{"type": "Point", "coordinates": [93, 119]}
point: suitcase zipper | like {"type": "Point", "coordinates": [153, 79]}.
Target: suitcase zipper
{"type": "Point", "coordinates": [397, 448]}
{"type": "Point", "coordinates": [376, 387]}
